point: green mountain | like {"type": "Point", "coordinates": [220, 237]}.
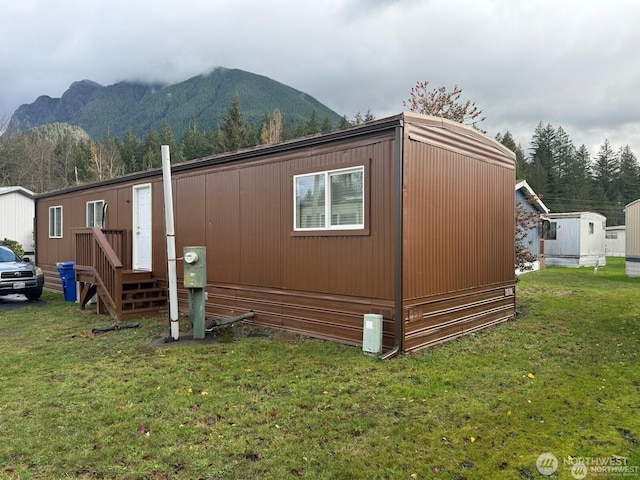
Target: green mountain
{"type": "Point", "coordinates": [140, 107]}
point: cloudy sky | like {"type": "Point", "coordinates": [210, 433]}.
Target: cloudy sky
{"type": "Point", "coordinates": [570, 63]}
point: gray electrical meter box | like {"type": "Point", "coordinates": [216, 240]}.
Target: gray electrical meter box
{"type": "Point", "coordinates": [195, 267]}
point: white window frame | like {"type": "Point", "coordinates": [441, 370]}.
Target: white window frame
{"type": "Point", "coordinates": [327, 200]}
{"type": "Point", "coordinates": [54, 214]}
{"type": "Point", "coordinates": [95, 206]}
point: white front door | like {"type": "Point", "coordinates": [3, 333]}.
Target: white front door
{"type": "Point", "coordinates": [142, 227]}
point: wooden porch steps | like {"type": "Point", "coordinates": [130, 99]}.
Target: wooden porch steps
{"type": "Point", "coordinates": [103, 271]}
{"type": "Point", "coordinates": [141, 295]}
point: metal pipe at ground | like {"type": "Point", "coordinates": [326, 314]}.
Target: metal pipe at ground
{"type": "Point", "coordinates": [226, 321]}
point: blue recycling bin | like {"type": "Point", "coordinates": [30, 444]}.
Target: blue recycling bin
{"type": "Point", "coordinates": [68, 277]}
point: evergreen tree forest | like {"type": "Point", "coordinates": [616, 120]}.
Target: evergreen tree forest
{"type": "Point", "coordinates": [56, 156]}
{"type": "Point", "coordinates": [572, 179]}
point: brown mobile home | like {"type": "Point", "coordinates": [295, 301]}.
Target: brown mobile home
{"type": "Point", "coordinates": [410, 217]}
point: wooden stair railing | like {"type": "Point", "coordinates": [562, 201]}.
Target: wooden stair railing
{"type": "Point", "coordinates": [103, 269]}
{"type": "Point", "coordinates": [99, 269]}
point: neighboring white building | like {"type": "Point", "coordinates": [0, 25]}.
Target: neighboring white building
{"type": "Point", "coordinates": [614, 241]}
{"type": "Point", "coordinates": [17, 214]}
{"type": "Point", "coordinates": [632, 239]}
{"type": "Point", "coordinates": [575, 239]}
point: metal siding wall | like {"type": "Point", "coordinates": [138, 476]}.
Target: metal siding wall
{"type": "Point", "coordinates": [458, 222]}
{"type": "Point", "coordinates": [120, 215]}
{"type": "Point", "coordinates": [615, 247]}
{"type": "Point", "coordinates": [74, 214]}
{"type": "Point", "coordinates": [223, 226]}
{"type": "Point", "coordinates": [459, 241]}
{"type": "Point", "coordinates": [632, 222]}
{"type": "Point", "coordinates": [632, 240]}
{"type": "Point", "coordinates": [345, 264]}
{"type": "Point", "coordinates": [317, 285]}
{"type": "Point", "coordinates": [593, 244]}
{"type": "Point", "coordinates": [46, 248]}
{"type": "Point", "coordinates": [567, 242]}
{"type": "Point", "coordinates": [189, 212]}
{"type": "Point", "coordinates": [506, 230]}
{"type": "Point", "coordinates": [17, 212]}
{"type": "Point", "coordinates": [305, 266]}
{"type": "Point", "coordinates": [363, 265]}
{"type": "Point", "coordinates": [261, 225]}
{"type": "Point", "coordinates": [49, 251]}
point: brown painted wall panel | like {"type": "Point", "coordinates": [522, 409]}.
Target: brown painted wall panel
{"type": "Point", "coordinates": [261, 215]}
{"type": "Point", "coordinates": [159, 239]}
{"type": "Point", "coordinates": [459, 230]}
{"type": "Point", "coordinates": [223, 226]}
{"type": "Point", "coordinates": [432, 336]}
{"type": "Point", "coordinates": [322, 316]}
{"type": "Point", "coordinates": [434, 322]}
{"type": "Point", "coordinates": [305, 266]}
{"type": "Point", "coordinates": [459, 234]}
{"type": "Point", "coordinates": [344, 264]}
{"type": "Point", "coordinates": [189, 211]}
{"type": "Point", "coordinates": [51, 251]}
{"type": "Point", "coordinates": [121, 213]}
{"type": "Point", "coordinates": [497, 232]}
{"type": "Point", "coordinates": [449, 331]}
{"type": "Point", "coordinates": [439, 221]}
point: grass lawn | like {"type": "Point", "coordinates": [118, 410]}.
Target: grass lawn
{"type": "Point", "coordinates": [564, 378]}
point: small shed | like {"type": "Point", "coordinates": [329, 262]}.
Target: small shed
{"type": "Point", "coordinates": [575, 239]}
{"type": "Point", "coordinates": [17, 216]}
{"type": "Point", "coordinates": [408, 217]}
{"type": "Point", "coordinates": [632, 239]}
{"type": "Point", "coordinates": [529, 201]}
{"type": "Point", "coordinates": [614, 241]}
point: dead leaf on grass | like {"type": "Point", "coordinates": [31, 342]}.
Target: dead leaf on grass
{"type": "Point", "coordinates": [212, 420]}
{"type": "Point", "coordinates": [143, 430]}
